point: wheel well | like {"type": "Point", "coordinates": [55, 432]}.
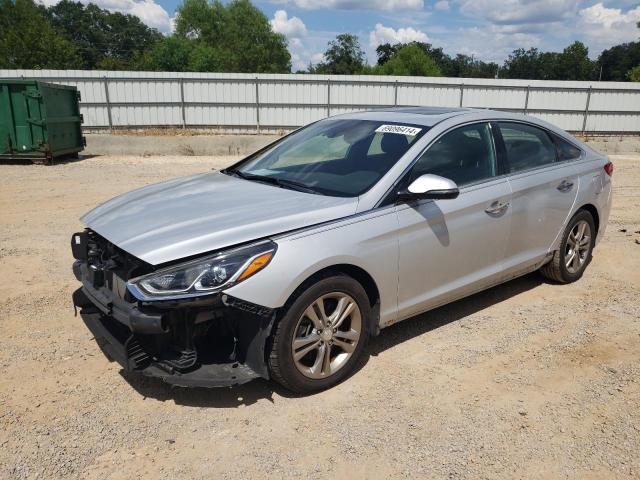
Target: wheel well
{"type": "Point", "coordinates": [358, 274]}
{"type": "Point", "coordinates": [594, 213]}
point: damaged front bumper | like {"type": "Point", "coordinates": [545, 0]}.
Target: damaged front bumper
{"type": "Point", "coordinates": [212, 341]}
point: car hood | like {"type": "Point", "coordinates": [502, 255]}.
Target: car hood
{"type": "Point", "coordinates": [193, 215]}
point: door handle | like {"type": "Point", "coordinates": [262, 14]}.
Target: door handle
{"type": "Point", "coordinates": [497, 208]}
{"type": "Point", "coordinates": [565, 186]}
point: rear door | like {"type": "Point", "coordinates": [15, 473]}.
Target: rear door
{"type": "Point", "coordinates": [450, 248]}
{"type": "Point", "coordinates": [544, 187]}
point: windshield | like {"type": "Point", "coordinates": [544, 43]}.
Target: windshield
{"type": "Point", "coordinates": [332, 157]}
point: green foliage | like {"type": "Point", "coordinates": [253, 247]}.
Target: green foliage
{"type": "Point", "coordinates": [522, 63]}
{"type": "Point", "coordinates": [411, 60]}
{"type": "Point", "coordinates": [343, 57]}
{"type": "Point", "coordinates": [212, 37]}
{"type": "Point", "coordinates": [616, 61]}
{"type": "Point", "coordinates": [572, 63]}
{"type": "Point", "coordinates": [465, 66]}
{"type": "Point", "coordinates": [28, 40]}
{"type": "Point", "coordinates": [170, 55]}
{"type": "Point", "coordinates": [105, 40]}
{"type": "Point", "coordinates": [459, 66]}
{"type": "Point", "coordinates": [634, 74]}
{"type": "Point", "coordinates": [199, 19]}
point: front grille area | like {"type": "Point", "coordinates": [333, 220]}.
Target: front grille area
{"type": "Point", "coordinates": [111, 267]}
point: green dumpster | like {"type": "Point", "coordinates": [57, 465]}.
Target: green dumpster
{"type": "Point", "coordinates": [39, 121]}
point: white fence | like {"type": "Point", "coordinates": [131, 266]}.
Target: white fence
{"type": "Point", "coordinates": [244, 102]}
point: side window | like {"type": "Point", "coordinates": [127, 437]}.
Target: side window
{"type": "Point", "coordinates": [464, 155]}
{"type": "Point", "coordinates": [566, 151]}
{"type": "Point", "coordinates": [527, 146]}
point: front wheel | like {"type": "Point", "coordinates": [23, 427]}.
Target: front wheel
{"type": "Point", "coordinates": [322, 336]}
{"type": "Point", "coordinates": [571, 259]}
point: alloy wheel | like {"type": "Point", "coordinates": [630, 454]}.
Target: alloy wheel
{"type": "Point", "coordinates": [326, 335]}
{"type": "Point", "coordinates": [577, 247]}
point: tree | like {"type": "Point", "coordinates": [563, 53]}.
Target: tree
{"type": "Point", "coordinates": [257, 48]}
{"type": "Point", "coordinates": [616, 61]}
{"type": "Point", "coordinates": [386, 51]}
{"type": "Point", "coordinates": [201, 20]}
{"type": "Point", "coordinates": [411, 60]}
{"type": "Point", "coordinates": [574, 63]}
{"type": "Point", "coordinates": [343, 57]}
{"type": "Point", "coordinates": [105, 40]}
{"type": "Point", "coordinates": [460, 66]}
{"type": "Point", "coordinates": [522, 63]}
{"type": "Point", "coordinates": [28, 40]}
{"type": "Point", "coordinates": [236, 37]}
{"type": "Point", "coordinates": [464, 66]}
{"type": "Point", "coordinates": [634, 74]}
{"type": "Point", "coordinates": [170, 55]}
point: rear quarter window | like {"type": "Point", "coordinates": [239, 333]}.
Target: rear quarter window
{"type": "Point", "coordinates": [566, 151]}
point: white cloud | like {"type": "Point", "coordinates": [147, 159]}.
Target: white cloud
{"type": "Point", "coordinates": [148, 11]}
{"type": "Point", "coordinates": [383, 34]}
{"type": "Point", "coordinates": [520, 11]}
{"type": "Point", "coordinates": [317, 57]}
{"type": "Point", "coordinates": [294, 29]}
{"type": "Point", "coordinates": [441, 5]}
{"type": "Point", "coordinates": [291, 27]}
{"type": "Point", "coordinates": [601, 27]}
{"type": "Point", "coordinates": [608, 17]}
{"type": "Point", "coordinates": [489, 43]}
{"type": "Point", "coordinates": [389, 5]}
{"type": "Point", "coordinates": [550, 25]}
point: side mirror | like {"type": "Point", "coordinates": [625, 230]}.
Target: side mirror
{"type": "Point", "coordinates": [430, 187]}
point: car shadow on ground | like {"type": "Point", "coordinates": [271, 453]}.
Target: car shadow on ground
{"type": "Point", "coordinates": [392, 336]}
{"type": "Point", "coordinates": [42, 161]}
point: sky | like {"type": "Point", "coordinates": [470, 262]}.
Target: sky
{"type": "Point", "coordinates": [487, 29]}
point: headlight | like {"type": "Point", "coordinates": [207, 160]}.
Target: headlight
{"type": "Point", "coordinates": [204, 275]}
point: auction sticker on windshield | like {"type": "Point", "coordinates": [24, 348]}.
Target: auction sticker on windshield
{"type": "Point", "coordinates": [401, 129]}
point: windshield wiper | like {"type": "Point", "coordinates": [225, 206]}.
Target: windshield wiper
{"type": "Point", "coordinates": [280, 182]}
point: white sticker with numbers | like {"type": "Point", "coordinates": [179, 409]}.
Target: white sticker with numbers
{"type": "Point", "coordinates": [399, 129]}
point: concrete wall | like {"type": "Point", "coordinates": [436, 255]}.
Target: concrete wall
{"type": "Point", "coordinates": [197, 145]}
{"type": "Point", "coordinates": [242, 145]}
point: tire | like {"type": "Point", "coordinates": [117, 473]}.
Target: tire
{"type": "Point", "coordinates": [567, 265]}
{"type": "Point", "coordinates": [331, 355]}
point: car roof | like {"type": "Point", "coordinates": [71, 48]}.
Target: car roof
{"type": "Point", "coordinates": [426, 116]}
{"type": "Point", "coordinates": [430, 116]}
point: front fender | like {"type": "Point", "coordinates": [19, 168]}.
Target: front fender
{"type": "Point", "coordinates": [366, 241]}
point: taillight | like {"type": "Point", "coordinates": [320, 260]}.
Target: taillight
{"type": "Point", "coordinates": [609, 168]}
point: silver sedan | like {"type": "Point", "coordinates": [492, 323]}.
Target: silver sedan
{"type": "Point", "coordinates": [284, 264]}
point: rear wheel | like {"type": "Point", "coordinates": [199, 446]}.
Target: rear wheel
{"type": "Point", "coordinates": [571, 259]}
{"type": "Point", "coordinates": [322, 336]}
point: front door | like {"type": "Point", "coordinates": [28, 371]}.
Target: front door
{"type": "Point", "coordinates": [451, 248]}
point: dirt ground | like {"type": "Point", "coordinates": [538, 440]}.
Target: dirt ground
{"type": "Point", "coordinates": [526, 380]}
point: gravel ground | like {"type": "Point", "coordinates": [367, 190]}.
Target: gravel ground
{"type": "Point", "coordinates": [526, 380]}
